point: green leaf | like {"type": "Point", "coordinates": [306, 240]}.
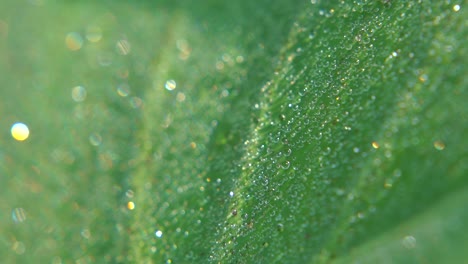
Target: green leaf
{"type": "Point", "coordinates": [234, 132]}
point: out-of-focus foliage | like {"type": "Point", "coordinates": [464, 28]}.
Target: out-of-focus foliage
{"type": "Point", "coordinates": [234, 132]}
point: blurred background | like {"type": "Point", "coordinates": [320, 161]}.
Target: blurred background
{"type": "Point", "coordinates": [84, 87]}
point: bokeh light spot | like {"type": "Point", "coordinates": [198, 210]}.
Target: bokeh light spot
{"type": "Point", "coordinates": [20, 131]}
{"type": "Point", "coordinates": [409, 242]}
{"type": "Point", "coordinates": [74, 41]}
{"type": "Point", "coordinates": [93, 34]}
{"type": "Point", "coordinates": [158, 233]}
{"type": "Point", "coordinates": [123, 47]}
{"type": "Point", "coordinates": [170, 85]}
{"type": "Point", "coordinates": [78, 94]}
{"type": "Point", "coordinates": [123, 90]}
{"type": "Point", "coordinates": [439, 145]}
{"type": "Point", "coordinates": [95, 139]}
{"type": "Point", "coordinates": [18, 215]}
{"type": "Point", "coordinates": [19, 247]}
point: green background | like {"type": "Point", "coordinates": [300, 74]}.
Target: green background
{"type": "Point", "coordinates": [298, 132]}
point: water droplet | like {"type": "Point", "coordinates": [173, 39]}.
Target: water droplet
{"type": "Point", "coordinates": [456, 8]}
{"type": "Point", "coordinates": [231, 193]}
{"type": "Point", "coordinates": [280, 227]}
{"type": "Point", "coordinates": [20, 131]}
{"type": "Point", "coordinates": [285, 165]}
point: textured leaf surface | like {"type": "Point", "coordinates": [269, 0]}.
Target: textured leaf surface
{"type": "Point", "coordinates": [246, 132]}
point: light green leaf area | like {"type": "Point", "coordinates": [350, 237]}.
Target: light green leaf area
{"type": "Point", "coordinates": [234, 132]}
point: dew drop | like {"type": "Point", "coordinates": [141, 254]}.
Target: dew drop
{"type": "Point", "coordinates": [280, 227]}
{"type": "Point", "coordinates": [285, 165]}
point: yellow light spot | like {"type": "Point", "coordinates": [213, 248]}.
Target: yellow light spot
{"type": "Point", "coordinates": [439, 145]}
{"type": "Point", "coordinates": [74, 41]}
{"type": "Point", "coordinates": [456, 8]}
{"type": "Point", "coordinates": [193, 145]}
{"type": "Point", "coordinates": [375, 145]}
{"type": "Point", "coordinates": [131, 205]}
{"type": "Point", "coordinates": [388, 183]}
{"type": "Point", "coordinates": [20, 131]}
{"type": "Point", "coordinates": [423, 77]}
